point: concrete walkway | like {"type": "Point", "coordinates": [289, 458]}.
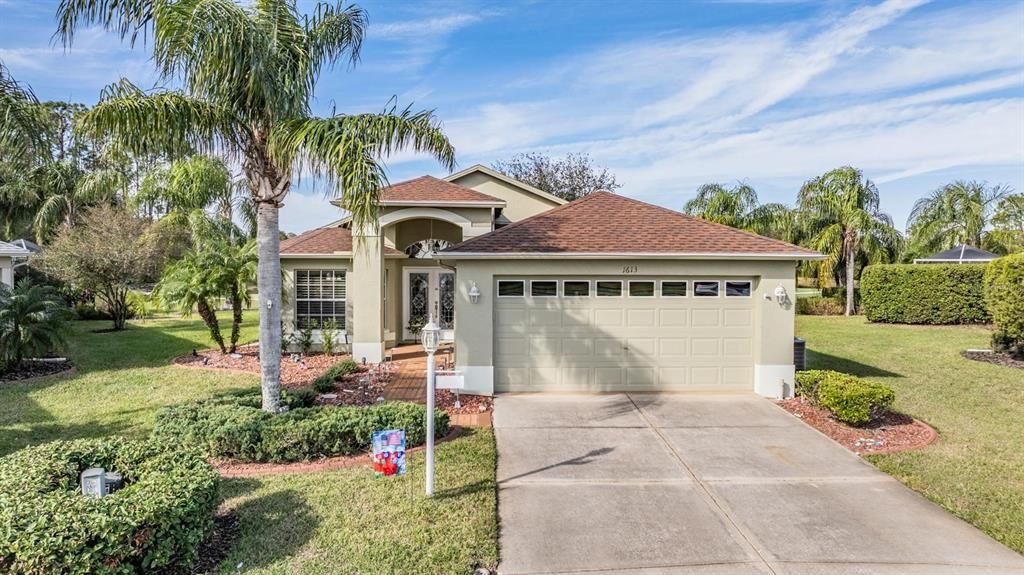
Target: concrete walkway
{"type": "Point", "coordinates": [664, 484]}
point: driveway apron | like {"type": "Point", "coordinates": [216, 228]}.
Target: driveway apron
{"type": "Point", "coordinates": [708, 485]}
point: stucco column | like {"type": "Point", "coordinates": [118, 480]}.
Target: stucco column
{"type": "Point", "coordinates": [367, 292]}
{"type": "Point", "coordinates": [773, 356]}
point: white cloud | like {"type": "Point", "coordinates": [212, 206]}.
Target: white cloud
{"type": "Point", "coordinates": [430, 27]}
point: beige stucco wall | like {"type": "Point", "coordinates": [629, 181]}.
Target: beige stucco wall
{"type": "Point", "coordinates": [474, 323]}
{"type": "Point", "coordinates": [6, 271]}
{"type": "Point", "coordinates": [520, 203]}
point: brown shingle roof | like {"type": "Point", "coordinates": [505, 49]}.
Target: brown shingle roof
{"type": "Point", "coordinates": [431, 189]}
{"type": "Point", "coordinates": [606, 223]}
{"type": "Point", "coordinates": [324, 241]}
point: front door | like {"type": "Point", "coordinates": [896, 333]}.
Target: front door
{"type": "Point", "coordinates": [429, 292]}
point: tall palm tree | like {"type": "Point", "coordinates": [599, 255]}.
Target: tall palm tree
{"type": "Point", "coordinates": [22, 126]}
{"type": "Point", "coordinates": [246, 75]}
{"type": "Point", "coordinates": [958, 213]}
{"type": "Point", "coordinates": [738, 207]}
{"type": "Point", "coordinates": [842, 218]}
{"type": "Point", "coordinates": [66, 191]}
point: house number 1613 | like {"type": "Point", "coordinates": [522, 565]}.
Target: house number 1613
{"type": "Point", "coordinates": [630, 269]}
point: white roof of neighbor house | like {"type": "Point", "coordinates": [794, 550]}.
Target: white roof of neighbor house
{"type": "Point", "coordinates": [7, 249]}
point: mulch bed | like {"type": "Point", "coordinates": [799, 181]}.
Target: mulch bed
{"type": "Point", "coordinates": [33, 369]}
{"type": "Point", "coordinates": [215, 548]}
{"type": "Point", "coordinates": [293, 374]}
{"type": "Point", "coordinates": [468, 404]}
{"type": "Point", "coordinates": [893, 432]}
{"type": "Point", "coordinates": [354, 389]}
{"type": "Point", "coordinates": [996, 358]}
{"type": "Point", "coordinates": [228, 468]}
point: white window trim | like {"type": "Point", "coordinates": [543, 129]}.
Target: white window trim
{"type": "Point", "coordinates": [661, 289]}
{"type": "Point", "coordinates": [725, 289]}
{"type": "Point", "coordinates": [622, 292]}
{"type": "Point", "coordinates": [498, 289]}
{"type": "Point", "coordinates": [654, 288]}
{"type": "Point", "coordinates": [716, 296]}
{"type": "Point", "coordinates": [590, 289]}
{"type": "Point", "coordinates": [295, 298]}
{"type": "Point", "coordinates": [544, 296]}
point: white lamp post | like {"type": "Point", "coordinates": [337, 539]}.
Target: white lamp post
{"type": "Point", "coordinates": [431, 338]}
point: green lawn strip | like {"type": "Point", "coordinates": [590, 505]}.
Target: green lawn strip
{"type": "Point", "coordinates": [976, 469]}
{"type": "Point", "coordinates": [121, 379]}
{"type": "Point", "coordinates": [348, 521]}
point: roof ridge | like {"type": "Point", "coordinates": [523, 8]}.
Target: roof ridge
{"type": "Point", "coordinates": [534, 217]}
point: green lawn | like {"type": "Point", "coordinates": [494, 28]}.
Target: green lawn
{"type": "Point", "coordinates": [976, 469]}
{"type": "Point", "coordinates": [329, 522]}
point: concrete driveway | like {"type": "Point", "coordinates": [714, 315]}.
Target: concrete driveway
{"type": "Point", "coordinates": [709, 485]}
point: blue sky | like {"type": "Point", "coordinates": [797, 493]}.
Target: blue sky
{"type": "Point", "coordinates": [668, 95]}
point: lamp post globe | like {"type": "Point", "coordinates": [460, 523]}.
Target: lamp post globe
{"type": "Point", "coordinates": [430, 336]}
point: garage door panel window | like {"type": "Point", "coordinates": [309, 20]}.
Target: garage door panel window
{"type": "Point", "coordinates": [609, 288]}
{"type": "Point", "coordinates": [641, 289]}
{"type": "Point", "coordinates": [737, 289]}
{"type": "Point", "coordinates": [544, 288]}
{"type": "Point", "coordinates": [705, 289]}
{"type": "Point", "coordinates": [673, 289]}
{"type": "Point", "coordinates": [576, 288]}
{"type": "Point", "coordinates": [511, 288]}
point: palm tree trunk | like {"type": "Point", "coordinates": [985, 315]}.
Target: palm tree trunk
{"type": "Point", "coordinates": [851, 254]}
{"type": "Point", "coordinates": [210, 319]}
{"type": "Point", "coordinates": [236, 317]}
{"type": "Point", "coordinates": [268, 281]}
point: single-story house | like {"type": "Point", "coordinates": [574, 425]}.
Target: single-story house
{"type": "Point", "coordinates": [10, 256]}
{"type": "Point", "coordinates": [961, 254]}
{"type": "Point", "coordinates": [602, 294]}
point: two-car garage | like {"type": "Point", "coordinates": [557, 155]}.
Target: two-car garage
{"type": "Point", "coordinates": [623, 333]}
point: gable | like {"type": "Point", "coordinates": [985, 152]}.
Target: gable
{"type": "Point", "coordinates": [521, 200]}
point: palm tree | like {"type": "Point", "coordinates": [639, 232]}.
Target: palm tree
{"type": "Point", "coordinates": [840, 214]}
{"type": "Point", "coordinates": [1008, 225]}
{"type": "Point", "coordinates": [234, 269]}
{"type": "Point", "coordinates": [958, 213]}
{"type": "Point", "coordinates": [32, 321]}
{"type": "Point", "coordinates": [66, 191]}
{"type": "Point", "coordinates": [22, 126]}
{"type": "Point", "coordinates": [246, 75]}
{"type": "Point", "coordinates": [738, 207]}
{"type": "Point", "coordinates": [190, 284]}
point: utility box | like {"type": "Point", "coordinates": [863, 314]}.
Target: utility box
{"type": "Point", "coordinates": [93, 482]}
{"type": "Point", "coordinates": [799, 354]}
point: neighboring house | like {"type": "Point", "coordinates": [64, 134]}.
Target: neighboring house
{"type": "Point", "coordinates": [962, 254]}
{"type": "Point", "coordinates": [605, 293]}
{"type": "Point", "coordinates": [11, 255]}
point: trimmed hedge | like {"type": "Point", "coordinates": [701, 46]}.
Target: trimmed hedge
{"type": "Point", "coordinates": [924, 293]}
{"type": "Point", "coordinates": [234, 427]}
{"type": "Point", "coordinates": [850, 399]}
{"type": "Point", "coordinates": [821, 305]}
{"type": "Point", "coordinates": [325, 383]}
{"type": "Point", "coordinates": [1004, 292]}
{"type": "Point", "coordinates": [156, 522]}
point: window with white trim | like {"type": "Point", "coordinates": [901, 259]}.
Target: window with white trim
{"type": "Point", "coordinates": [609, 288]}
{"type": "Point", "coordinates": [543, 288]}
{"type": "Point", "coordinates": [705, 289]}
{"type": "Point", "coordinates": [641, 289]}
{"type": "Point", "coordinates": [737, 288]}
{"type": "Point", "coordinates": [576, 288]}
{"type": "Point", "coordinates": [511, 288]}
{"type": "Point", "coordinates": [319, 298]}
{"type": "Point", "coordinates": [673, 288]}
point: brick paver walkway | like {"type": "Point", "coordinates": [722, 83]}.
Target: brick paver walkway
{"type": "Point", "coordinates": [409, 383]}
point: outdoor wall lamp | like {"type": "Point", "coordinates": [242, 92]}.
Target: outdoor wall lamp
{"type": "Point", "coordinates": [781, 297]}
{"type": "Point", "coordinates": [474, 293]}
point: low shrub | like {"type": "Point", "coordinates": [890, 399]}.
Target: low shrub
{"type": "Point", "coordinates": [301, 397]}
{"type": "Point", "coordinates": [808, 382]}
{"type": "Point", "coordinates": [89, 312]}
{"type": "Point", "coordinates": [325, 383]}
{"type": "Point", "coordinates": [235, 427]}
{"type": "Point", "coordinates": [924, 293]}
{"type": "Point", "coordinates": [1004, 294]}
{"type": "Point", "coordinates": [154, 524]}
{"type": "Point", "coordinates": [854, 400]}
{"type": "Point", "coordinates": [820, 305]}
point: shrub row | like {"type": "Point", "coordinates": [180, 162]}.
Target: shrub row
{"type": "Point", "coordinates": [849, 398]}
{"type": "Point", "coordinates": [235, 427]}
{"type": "Point", "coordinates": [821, 305]}
{"type": "Point", "coordinates": [325, 383]}
{"type": "Point", "coordinates": [924, 293]}
{"type": "Point", "coordinates": [1004, 293]}
{"type": "Point", "coordinates": [156, 521]}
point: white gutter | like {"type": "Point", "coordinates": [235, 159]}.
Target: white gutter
{"type": "Point", "coordinates": [632, 255]}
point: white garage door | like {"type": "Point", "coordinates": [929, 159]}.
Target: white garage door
{"type": "Point", "coordinates": [600, 334]}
